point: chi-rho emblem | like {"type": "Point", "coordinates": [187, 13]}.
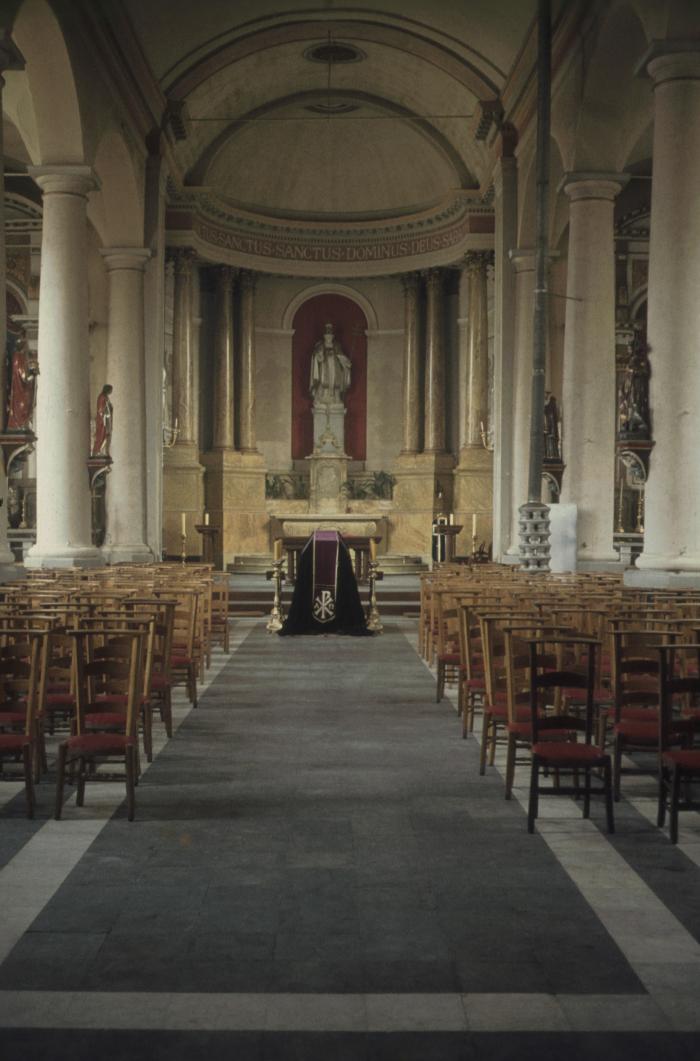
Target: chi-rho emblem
{"type": "Point", "coordinates": [324, 606]}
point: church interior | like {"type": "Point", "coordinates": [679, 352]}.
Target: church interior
{"type": "Point", "coordinates": [378, 322]}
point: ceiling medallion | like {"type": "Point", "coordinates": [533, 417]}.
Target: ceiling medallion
{"type": "Point", "coordinates": [331, 52]}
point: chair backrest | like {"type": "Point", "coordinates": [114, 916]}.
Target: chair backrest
{"type": "Point", "coordinates": [108, 664]}
{"type": "Point", "coordinates": [551, 671]}
{"type": "Point", "coordinates": [22, 666]}
{"type": "Point", "coordinates": [679, 678]}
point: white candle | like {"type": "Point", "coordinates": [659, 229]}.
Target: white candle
{"type": "Point", "coordinates": [183, 523]}
{"type": "Point", "coordinates": [452, 519]}
{"type": "Point", "coordinates": [277, 550]}
{"type": "Point", "coordinates": [372, 550]}
{"type": "Point", "coordinates": [474, 525]}
{"type": "Point", "coordinates": [206, 519]}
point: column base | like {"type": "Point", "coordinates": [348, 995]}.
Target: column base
{"type": "Point", "coordinates": [473, 495]}
{"type": "Point", "coordinates": [85, 556]}
{"type": "Point", "coordinates": [419, 476]}
{"type": "Point", "coordinates": [235, 491]}
{"type": "Point", "coordinates": [127, 554]}
{"type": "Point", "coordinates": [664, 572]}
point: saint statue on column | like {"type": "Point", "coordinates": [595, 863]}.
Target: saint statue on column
{"type": "Point", "coordinates": [22, 386]}
{"type": "Point", "coordinates": [104, 416]}
{"type": "Point", "coordinates": [330, 370]}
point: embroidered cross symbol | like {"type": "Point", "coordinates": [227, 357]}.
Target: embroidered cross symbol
{"type": "Point", "coordinates": [324, 606]}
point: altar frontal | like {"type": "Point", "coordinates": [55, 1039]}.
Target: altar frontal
{"type": "Point", "coordinates": [326, 599]}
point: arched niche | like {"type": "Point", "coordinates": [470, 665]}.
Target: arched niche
{"type": "Point", "coordinates": [350, 326]}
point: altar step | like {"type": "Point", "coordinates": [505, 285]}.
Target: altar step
{"type": "Point", "coordinates": [259, 563]}
{"type": "Point", "coordinates": [257, 600]}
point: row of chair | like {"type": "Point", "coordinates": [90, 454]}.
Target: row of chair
{"type": "Point", "coordinates": [96, 656]}
{"type": "Point", "coordinates": [479, 628]}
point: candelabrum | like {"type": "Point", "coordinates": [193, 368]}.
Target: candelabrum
{"type": "Point", "coordinates": [374, 623]}
{"type": "Point", "coordinates": [183, 548]}
{"type": "Point", "coordinates": [276, 615]}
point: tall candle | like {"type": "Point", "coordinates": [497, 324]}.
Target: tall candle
{"type": "Point", "coordinates": [452, 519]}
{"type": "Point", "coordinates": [206, 519]}
{"type": "Point", "coordinates": [474, 525]}
{"type": "Point", "coordinates": [277, 550]}
{"type": "Point", "coordinates": [372, 550]}
{"type": "Point", "coordinates": [183, 523]}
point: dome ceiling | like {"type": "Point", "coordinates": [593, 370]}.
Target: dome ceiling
{"type": "Point", "coordinates": [276, 126]}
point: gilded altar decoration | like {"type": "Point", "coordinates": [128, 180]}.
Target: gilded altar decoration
{"type": "Point", "coordinates": [104, 418]}
{"type": "Point", "coordinates": [25, 369]}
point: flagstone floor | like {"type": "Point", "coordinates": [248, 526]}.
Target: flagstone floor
{"type": "Point", "coordinates": [317, 870]}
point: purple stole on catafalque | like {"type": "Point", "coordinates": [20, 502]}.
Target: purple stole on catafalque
{"type": "Point", "coordinates": [324, 583]}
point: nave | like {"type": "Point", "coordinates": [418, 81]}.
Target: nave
{"type": "Point", "coordinates": [317, 869]}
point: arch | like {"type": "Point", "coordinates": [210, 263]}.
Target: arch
{"type": "Point", "coordinates": [350, 326]}
{"type": "Point", "coordinates": [329, 289]}
{"type": "Point", "coordinates": [615, 104]}
{"type": "Point", "coordinates": [51, 83]}
{"type": "Point", "coordinates": [116, 210]}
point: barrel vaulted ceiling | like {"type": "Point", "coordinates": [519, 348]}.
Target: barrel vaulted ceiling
{"type": "Point", "coordinates": [268, 125]}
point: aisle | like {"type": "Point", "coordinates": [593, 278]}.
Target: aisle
{"type": "Point", "coordinates": [316, 838]}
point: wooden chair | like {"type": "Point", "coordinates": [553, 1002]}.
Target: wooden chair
{"type": "Point", "coordinates": [87, 750]}
{"type": "Point", "coordinates": [679, 762]}
{"type": "Point", "coordinates": [21, 676]}
{"type": "Point", "coordinates": [219, 613]}
{"type": "Point", "coordinates": [575, 757]}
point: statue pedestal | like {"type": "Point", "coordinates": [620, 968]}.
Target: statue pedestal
{"type": "Point", "coordinates": [328, 472]}
{"type": "Point", "coordinates": [329, 417]}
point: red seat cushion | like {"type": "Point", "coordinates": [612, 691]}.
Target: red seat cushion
{"type": "Point", "coordinates": [640, 714]}
{"type": "Point", "coordinates": [523, 730]}
{"type": "Point", "coordinates": [13, 742]}
{"type": "Point", "coordinates": [159, 681]}
{"type": "Point", "coordinates": [499, 710]}
{"type": "Point", "coordinates": [636, 731]}
{"type": "Point", "coordinates": [103, 719]}
{"type": "Point", "coordinates": [12, 718]}
{"type": "Point", "coordinates": [181, 661]}
{"type": "Point", "coordinates": [475, 683]}
{"type": "Point", "coordinates": [451, 658]}
{"type": "Point", "coordinates": [566, 753]}
{"type": "Point", "coordinates": [687, 758]}
{"type": "Point", "coordinates": [59, 700]}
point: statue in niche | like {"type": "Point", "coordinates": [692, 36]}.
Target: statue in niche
{"type": "Point", "coordinates": [552, 443]}
{"type": "Point", "coordinates": [25, 369]}
{"type": "Point", "coordinates": [104, 418]}
{"type": "Point", "coordinates": [330, 370]}
{"type": "Point", "coordinates": [633, 399]}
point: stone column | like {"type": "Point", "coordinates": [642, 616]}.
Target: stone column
{"type": "Point", "coordinates": [223, 360]}
{"type": "Point", "coordinates": [505, 236]}
{"type": "Point", "coordinates": [183, 371]}
{"type": "Point", "coordinates": [672, 524]}
{"type": "Point", "coordinates": [248, 440]}
{"type": "Point", "coordinates": [64, 530]}
{"type": "Point", "coordinates": [126, 371]}
{"type": "Point", "coordinates": [411, 367]}
{"type": "Point", "coordinates": [434, 365]}
{"type": "Point", "coordinates": [473, 484]}
{"type": "Point", "coordinates": [183, 475]}
{"type": "Point", "coordinates": [523, 263]}
{"type": "Point", "coordinates": [589, 398]}
{"type": "Point", "coordinates": [10, 59]}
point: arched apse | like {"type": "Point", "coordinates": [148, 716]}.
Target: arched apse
{"type": "Point", "coordinates": [116, 210]}
{"type": "Point", "coordinates": [616, 103]}
{"type": "Point", "coordinates": [329, 289]}
{"type": "Point", "coordinates": [55, 110]}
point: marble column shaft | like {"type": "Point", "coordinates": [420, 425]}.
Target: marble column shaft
{"type": "Point", "coordinates": [411, 366]}
{"type": "Point", "coordinates": [523, 261]}
{"type": "Point", "coordinates": [248, 439]}
{"type": "Point", "coordinates": [6, 556]}
{"type": "Point", "coordinates": [589, 397]}
{"type": "Point", "coordinates": [126, 371]}
{"type": "Point", "coordinates": [223, 360]}
{"type": "Point", "coordinates": [64, 532]}
{"type": "Point", "coordinates": [477, 389]}
{"type": "Point", "coordinates": [672, 520]}
{"type": "Point", "coordinates": [183, 381]}
{"type": "Point", "coordinates": [505, 236]}
{"type": "Point", "coordinates": [434, 388]}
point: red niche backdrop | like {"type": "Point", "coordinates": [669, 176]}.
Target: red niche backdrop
{"type": "Point", "coordinates": [349, 325]}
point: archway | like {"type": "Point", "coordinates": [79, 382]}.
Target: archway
{"type": "Point", "coordinates": [350, 327]}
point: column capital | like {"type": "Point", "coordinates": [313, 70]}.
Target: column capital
{"type": "Point", "coordinates": [125, 257]}
{"type": "Point", "coordinates": [65, 180]}
{"type": "Point", "coordinates": [410, 282]}
{"type": "Point", "coordinates": [225, 277]}
{"type": "Point", "coordinates": [182, 259]}
{"type": "Point", "coordinates": [671, 60]}
{"type": "Point", "coordinates": [434, 277]}
{"type": "Point", "coordinates": [585, 184]}
{"type": "Point", "coordinates": [248, 279]}
{"type": "Point", "coordinates": [478, 261]}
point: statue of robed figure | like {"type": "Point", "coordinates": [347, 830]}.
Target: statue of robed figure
{"type": "Point", "coordinates": [104, 417]}
{"type": "Point", "coordinates": [25, 369]}
{"type": "Point", "coordinates": [330, 369]}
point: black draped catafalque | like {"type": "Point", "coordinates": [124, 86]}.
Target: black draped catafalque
{"type": "Point", "coordinates": [326, 599]}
